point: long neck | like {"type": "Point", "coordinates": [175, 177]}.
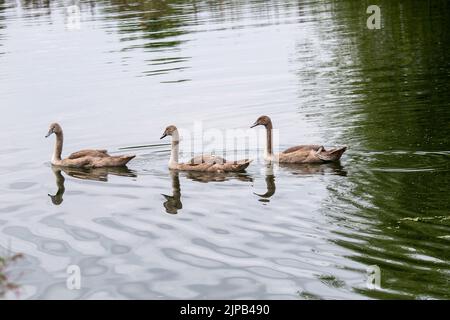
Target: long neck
{"type": "Point", "coordinates": [176, 186]}
{"type": "Point", "coordinates": [269, 151]}
{"type": "Point", "coordinates": [60, 183]}
{"type": "Point", "coordinates": [58, 147]}
{"type": "Point", "coordinates": [57, 199]}
{"type": "Point", "coordinates": [175, 149]}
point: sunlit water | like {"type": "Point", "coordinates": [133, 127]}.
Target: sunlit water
{"type": "Point", "coordinates": [119, 72]}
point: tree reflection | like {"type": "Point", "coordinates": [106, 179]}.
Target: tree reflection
{"type": "Point", "coordinates": [397, 101]}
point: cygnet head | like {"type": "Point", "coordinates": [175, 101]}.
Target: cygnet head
{"type": "Point", "coordinates": [54, 129]}
{"type": "Point", "coordinates": [170, 130]}
{"type": "Point", "coordinates": [262, 121]}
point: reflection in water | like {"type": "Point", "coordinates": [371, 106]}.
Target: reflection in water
{"type": "Point", "coordinates": [57, 199]}
{"type": "Point", "coordinates": [173, 202]}
{"type": "Point", "coordinates": [157, 28]}
{"type": "Point", "coordinates": [2, 25]}
{"type": "Point", "coordinates": [218, 177]}
{"type": "Point", "coordinates": [97, 174]}
{"type": "Point", "coordinates": [270, 183]}
{"type": "Point", "coordinates": [335, 168]}
{"type": "Point", "coordinates": [396, 201]}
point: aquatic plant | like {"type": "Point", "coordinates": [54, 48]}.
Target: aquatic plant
{"type": "Point", "coordinates": [5, 283]}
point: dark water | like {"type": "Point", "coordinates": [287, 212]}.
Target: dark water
{"type": "Point", "coordinates": [115, 77]}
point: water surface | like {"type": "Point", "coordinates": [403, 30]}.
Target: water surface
{"type": "Point", "coordinates": [120, 73]}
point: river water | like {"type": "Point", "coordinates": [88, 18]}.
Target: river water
{"type": "Point", "coordinates": [114, 74]}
